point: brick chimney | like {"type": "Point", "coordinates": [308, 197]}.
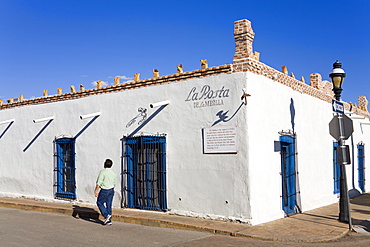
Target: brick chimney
{"type": "Point", "coordinates": [243, 35]}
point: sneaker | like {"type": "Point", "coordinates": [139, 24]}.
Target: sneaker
{"type": "Point", "coordinates": [107, 219]}
{"type": "Point", "coordinates": [109, 223]}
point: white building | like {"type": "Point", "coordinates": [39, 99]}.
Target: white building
{"type": "Point", "coordinates": [205, 150]}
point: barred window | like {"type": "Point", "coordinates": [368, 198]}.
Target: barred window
{"type": "Point", "coordinates": [145, 171]}
{"type": "Point", "coordinates": [64, 168]}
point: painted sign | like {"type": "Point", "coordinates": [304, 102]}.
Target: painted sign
{"type": "Point", "coordinates": [221, 139]}
{"type": "Point", "coordinates": [207, 96]}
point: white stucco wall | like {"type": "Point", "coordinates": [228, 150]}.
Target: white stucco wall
{"type": "Point", "coordinates": [207, 184]}
{"type": "Point", "coordinates": [243, 186]}
{"type": "Point", "coordinates": [269, 111]}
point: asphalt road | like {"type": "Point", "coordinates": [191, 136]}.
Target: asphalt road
{"type": "Point", "coordinates": [29, 228]}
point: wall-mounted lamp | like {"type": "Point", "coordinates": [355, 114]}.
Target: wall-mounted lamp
{"type": "Point", "coordinates": [43, 119]}
{"type": "Point", "coordinates": [7, 121]}
{"type": "Point", "coordinates": [90, 115]}
{"type": "Point", "coordinates": [356, 117]}
{"type": "Point", "coordinates": [352, 115]}
{"type": "Point", "coordinates": [162, 103]}
{"type": "Point", "coordinates": [245, 95]}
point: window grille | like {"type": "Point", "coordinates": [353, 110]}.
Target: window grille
{"type": "Point", "coordinates": [145, 171]}
{"type": "Point", "coordinates": [64, 168]}
{"type": "Point", "coordinates": [361, 166]}
{"type": "Point", "coordinates": [288, 174]}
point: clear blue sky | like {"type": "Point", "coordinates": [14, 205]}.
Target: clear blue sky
{"type": "Point", "coordinates": [46, 44]}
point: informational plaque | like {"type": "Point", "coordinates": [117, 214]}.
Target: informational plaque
{"type": "Point", "coordinates": [223, 139]}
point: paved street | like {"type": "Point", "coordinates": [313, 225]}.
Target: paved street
{"type": "Point", "coordinates": [29, 228]}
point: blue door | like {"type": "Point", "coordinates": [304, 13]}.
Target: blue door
{"type": "Point", "coordinates": [65, 168]}
{"type": "Point", "coordinates": [146, 172]}
{"type": "Point", "coordinates": [361, 166]}
{"type": "Point", "coordinates": [288, 174]}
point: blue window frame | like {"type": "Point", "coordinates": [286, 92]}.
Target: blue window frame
{"type": "Point", "coordinates": [336, 169]}
{"type": "Point", "coordinates": [65, 168]}
{"type": "Point", "coordinates": [288, 173]}
{"type": "Point", "coordinates": [145, 158]}
{"type": "Point", "coordinates": [361, 166]}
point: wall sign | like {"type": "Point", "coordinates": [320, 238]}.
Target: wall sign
{"type": "Point", "coordinates": [207, 96]}
{"type": "Point", "coordinates": [221, 139]}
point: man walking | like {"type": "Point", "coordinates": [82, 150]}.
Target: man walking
{"type": "Point", "coordinates": [106, 182]}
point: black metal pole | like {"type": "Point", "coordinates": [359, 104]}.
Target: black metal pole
{"type": "Point", "coordinates": [344, 206]}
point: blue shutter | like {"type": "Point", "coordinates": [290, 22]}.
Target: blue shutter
{"type": "Point", "coordinates": [163, 194]}
{"type": "Point", "coordinates": [288, 173]}
{"type": "Point", "coordinates": [130, 171]}
{"type": "Point", "coordinates": [361, 166]}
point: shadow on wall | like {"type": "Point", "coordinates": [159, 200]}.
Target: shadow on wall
{"type": "Point", "coordinates": [142, 124]}
{"type": "Point", "coordinates": [298, 187]}
{"type": "Point", "coordinates": [353, 192]}
{"type": "Point", "coordinates": [85, 213]}
{"type": "Point", "coordinates": [6, 129]}
{"type": "Point", "coordinates": [37, 135]}
{"type": "Point", "coordinates": [292, 114]}
{"type": "Point", "coordinates": [85, 127]}
{"type": "Point", "coordinates": [223, 115]}
{"type": "Point", "coordinates": [45, 126]}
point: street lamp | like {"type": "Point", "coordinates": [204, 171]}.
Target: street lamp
{"type": "Point", "coordinates": [337, 77]}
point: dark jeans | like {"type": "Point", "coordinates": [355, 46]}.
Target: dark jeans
{"type": "Point", "coordinates": [105, 197]}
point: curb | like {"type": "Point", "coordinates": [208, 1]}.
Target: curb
{"type": "Point", "coordinates": [37, 208]}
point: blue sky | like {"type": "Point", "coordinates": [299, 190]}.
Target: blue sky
{"type": "Point", "coordinates": [46, 44]}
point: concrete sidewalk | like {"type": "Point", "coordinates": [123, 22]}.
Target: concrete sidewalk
{"type": "Point", "coordinates": [319, 225]}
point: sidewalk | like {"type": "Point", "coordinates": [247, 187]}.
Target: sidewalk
{"type": "Point", "coordinates": [318, 225]}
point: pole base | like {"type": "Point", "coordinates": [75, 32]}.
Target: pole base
{"type": "Point", "coordinates": [343, 218]}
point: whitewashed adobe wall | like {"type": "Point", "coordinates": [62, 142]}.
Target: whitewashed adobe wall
{"type": "Point", "coordinates": [274, 107]}
{"type": "Point", "coordinates": [198, 184]}
{"type": "Point", "coordinates": [280, 102]}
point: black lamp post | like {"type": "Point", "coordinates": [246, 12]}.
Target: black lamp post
{"type": "Point", "coordinates": [337, 77]}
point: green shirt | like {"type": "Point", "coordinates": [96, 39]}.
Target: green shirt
{"type": "Point", "coordinates": [106, 179]}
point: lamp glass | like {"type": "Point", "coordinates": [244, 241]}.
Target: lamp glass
{"type": "Point", "coordinates": [337, 81]}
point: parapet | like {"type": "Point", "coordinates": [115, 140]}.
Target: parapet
{"type": "Point", "coordinates": [362, 103]}
{"type": "Point", "coordinates": [136, 83]}
{"type": "Point", "coordinates": [324, 86]}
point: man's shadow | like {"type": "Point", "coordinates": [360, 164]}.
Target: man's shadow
{"type": "Point", "coordinates": [85, 213]}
